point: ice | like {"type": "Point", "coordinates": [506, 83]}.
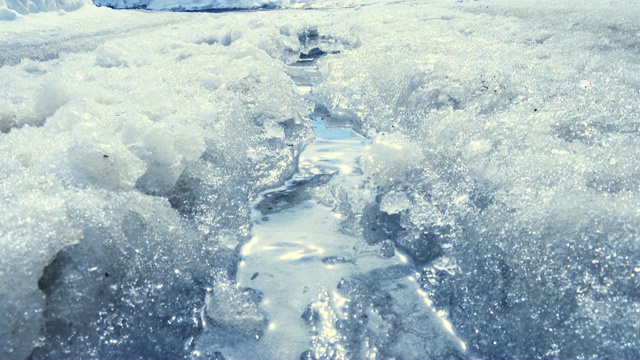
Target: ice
{"type": "Point", "coordinates": [500, 173]}
{"type": "Point", "coordinates": [235, 310]}
{"type": "Point", "coordinates": [391, 158]}
{"type": "Point", "coordinates": [327, 294]}
{"type": "Point", "coordinates": [378, 226]}
{"type": "Point", "coordinates": [522, 180]}
{"type": "Point", "coordinates": [125, 183]}
{"type": "Point", "coordinates": [195, 5]}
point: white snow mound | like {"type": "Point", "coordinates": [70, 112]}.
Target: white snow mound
{"type": "Point", "coordinates": [11, 9]}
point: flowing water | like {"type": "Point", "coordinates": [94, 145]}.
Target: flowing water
{"type": "Point", "coordinates": [325, 293]}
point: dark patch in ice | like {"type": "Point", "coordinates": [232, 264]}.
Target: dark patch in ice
{"type": "Point", "coordinates": [227, 261]}
{"type": "Point", "coordinates": [378, 226]}
{"type": "Point", "coordinates": [320, 111]}
{"type": "Point", "coordinates": [208, 40]}
{"type": "Point", "coordinates": [389, 273]}
{"type": "Point", "coordinates": [310, 316]}
{"type": "Point", "coordinates": [313, 53]}
{"type": "Point", "coordinates": [315, 46]}
{"type": "Point", "coordinates": [423, 249]}
{"type": "Point", "coordinates": [31, 52]}
{"type": "Point", "coordinates": [184, 195]}
{"type": "Point", "coordinates": [255, 295]}
{"type": "Point", "coordinates": [53, 272]}
{"type": "Point", "coordinates": [292, 129]}
{"type": "Point", "coordinates": [7, 122]}
{"type": "Point", "coordinates": [310, 36]}
{"type": "Point", "coordinates": [295, 194]}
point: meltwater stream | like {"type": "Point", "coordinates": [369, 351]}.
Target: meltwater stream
{"type": "Point", "coordinates": [323, 296]}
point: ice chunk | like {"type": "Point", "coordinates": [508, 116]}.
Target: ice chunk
{"type": "Point", "coordinates": [378, 226]}
{"type": "Point", "coordinates": [108, 166]}
{"type": "Point", "coordinates": [423, 248]}
{"type": "Point", "coordinates": [234, 310]}
{"type": "Point", "coordinates": [394, 202]}
{"type": "Point", "coordinates": [391, 157]}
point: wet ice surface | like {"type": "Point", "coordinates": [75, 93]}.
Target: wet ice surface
{"type": "Point", "coordinates": [502, 162]}
{"type": "Point", "coordinates": [326, 294]}
{"type": "Point", "coordinates": [329, 294]}
{"type": "Point", "coordinates": [317, 284]}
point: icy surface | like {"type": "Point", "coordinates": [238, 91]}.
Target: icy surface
{"type": "Point", "coordinates": [127, 173]}
{"type": "Point", "coordinates": [518, 129]}
{"type": "Point", "coordinates": [503, 162]}
{"type": "Point", "coordinates": [326, 294]}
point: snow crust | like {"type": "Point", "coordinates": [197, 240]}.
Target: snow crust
{"type": "Point", "coordinates": [511, 131]}
{"type": "Point", "coordinates": [127, 171]}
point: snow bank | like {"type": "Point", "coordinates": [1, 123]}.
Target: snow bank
{"type": "Point", "coordinates": [195, 5]}
{"type": "Point", "coordinates": [511, 132]}
{"type": "Point", "coordinates": [127, 175]}
{"type": "Point", "coordinates": [11, 9]}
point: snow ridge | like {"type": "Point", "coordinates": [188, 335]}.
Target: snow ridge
{"type": "Point", "coordinates": [12, 9]}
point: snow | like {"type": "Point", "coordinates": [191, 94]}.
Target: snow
{"type": "Point", "coordinates": [109, 150]}
{"type": "Point", "coordinates": [12, 9]}
{"type": "Point", "coordinates": [501, 160]}
{"type": "Point", "coordinates": [527, 118]}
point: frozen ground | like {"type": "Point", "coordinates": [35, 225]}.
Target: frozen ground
{"type": "Point", "coordinates": [502, 161]}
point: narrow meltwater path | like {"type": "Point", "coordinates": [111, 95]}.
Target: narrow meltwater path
{"type": "Point", "coordinates": [324, 298]}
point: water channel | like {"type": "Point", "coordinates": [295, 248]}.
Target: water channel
{"type": "Point", "coordinates": [324, 296]}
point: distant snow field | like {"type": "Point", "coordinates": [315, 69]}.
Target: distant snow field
{"type": "Point", "coordinates": [488, 193]}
